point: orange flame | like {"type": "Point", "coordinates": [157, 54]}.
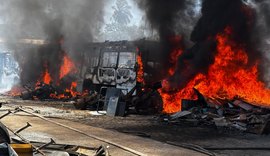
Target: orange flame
{"type": "Point", "coordinates": [60, 96]}
{"type": "Point", "coordinates": [172, 97]}
{"type": "Point", "coordinates": [173, 59]}
{"type": "Point", "coordinates": [67, 67]}
{"type": "Point", "coordinates": [71, 92]}
{"type": "Point", "coordinates": [228, 77]}
{"type": "Point", "coordinates": [73, 89]}
{"type": "Point", "coordinates": [140, 72]}
{"type": "Point", "coordinates": [15, 91]}
{"type": "Point", "coordinates": [47, 77]}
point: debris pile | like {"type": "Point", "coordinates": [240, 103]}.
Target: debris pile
{"type": "Point", "coordinates": [222, 113]}
{"type": "Point", "coordinates": [43, 91]}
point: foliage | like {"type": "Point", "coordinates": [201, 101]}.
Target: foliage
{"type": "Point", "coordinates": [120, 27]}
{"type": "Point", "coordinates": [122, 14]}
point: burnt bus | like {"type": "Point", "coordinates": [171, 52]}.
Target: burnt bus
{"type": "Point", "coordinates": [110, 64]}
{"type": "Point", "coordinates": [114, 65]}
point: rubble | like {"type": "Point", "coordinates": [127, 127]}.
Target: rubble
{"type": "Point", "coordinates": [43, 91]}
{"type": "Point", "coordinates": [222, 113]}
{"type": "Point", "coordinates": [84, 101]}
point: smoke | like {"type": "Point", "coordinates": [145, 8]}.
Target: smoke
{"type": "Point", "coordinates": [171, 19]}
{"type": "Point", "coordinates": [216, 16]}
{"type": "Point", "coordinates": [65, 25]}
{"type": "Point", "coordinates": [261, 33]}
{"type": "Point", "coordinates": [249, 20]}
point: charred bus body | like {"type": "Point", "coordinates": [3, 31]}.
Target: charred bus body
{"type": "Point", "coordinates": [111, 64]}
{"type": "Point", "coordinates": [114, 65]}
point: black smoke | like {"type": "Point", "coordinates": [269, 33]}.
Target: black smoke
{"type": "Point", "coordinates": [65, 26]}
{"type": "Point", "coordinates": [171, 19]}
{"type": "Point", "coordinates": [216, 15]}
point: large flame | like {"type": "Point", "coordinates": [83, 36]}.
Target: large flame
{"type": "Point", "coordinates": [172, 97]}
{"type": "Point", "coordinates": [67, 67]}
{"type": "Point", "coordinates": [228, 77]}
{"type": "Point", "coordinates": [47, 77]}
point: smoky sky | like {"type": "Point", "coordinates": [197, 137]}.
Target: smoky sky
{"type": "Point", "coordinates": [216, 16]}
{"type": "Point", "coordinates": [261, 33]}
{"type": "Point", "coordinates": [171, 19]}
{"type": "Point", "coordinates": [31, 18]}
{"type": "Point", "coordinates": [249, 20]}
{"type": "Point", "coordinates": [65, 25]}
{"type": "Point", "coordinates": [77, 22]}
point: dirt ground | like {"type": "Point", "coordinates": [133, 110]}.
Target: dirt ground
{"type": "Point", "coordinates": [154, 128]}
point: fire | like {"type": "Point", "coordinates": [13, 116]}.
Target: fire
{"type": "Point", "coordinates": [228, 77]}
{"type": "Point", "coordinates": [172, 98]}
{"type": "Point", "coordinates": [69, 92]}
{"type": "Point", "coordinates": [72, 89]}
{"type": "Point", "coordinates": [175, 54]}
{"type": "Point", "coordinates": [15, 91]}
{"type": "Point", "coordinates": [67, 67]}
{"type": "Point", "coordinates": [173, 59]}
{"type": "Point", "coordinates": [140, 72]}
{"type": "Point", "coordinates": [47, 77]}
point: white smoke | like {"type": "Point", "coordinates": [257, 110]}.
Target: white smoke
{"type": "Point", "coordinates": [262, 32]}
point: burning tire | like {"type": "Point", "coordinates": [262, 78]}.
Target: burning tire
{"type": "Point", "coordinates": [4, 136]}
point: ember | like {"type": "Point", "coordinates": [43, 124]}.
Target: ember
{"type": "Point", "coordinates": [230, 75]}
{"type": "Point", "coordinates": [15, 91]}
{"type": "Point", "coordinates": [72, 89]}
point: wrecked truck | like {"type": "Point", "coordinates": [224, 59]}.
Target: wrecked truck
{"type": "Point", "coordinates": [109, 73]}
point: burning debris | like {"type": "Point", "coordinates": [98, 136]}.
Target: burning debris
{"type": "Point", "coordinates": [113, 79]}
{"type": "Point", "coordinates": [228, 77]}
{"type": "Point", "coordinates": [55, 85]}
{"type": "Point", "coordinates": [223, 113]}
{"type": "Point", "coordinates": [55, 61]}
{"type": "Point", "coordinates": [224, 61]}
